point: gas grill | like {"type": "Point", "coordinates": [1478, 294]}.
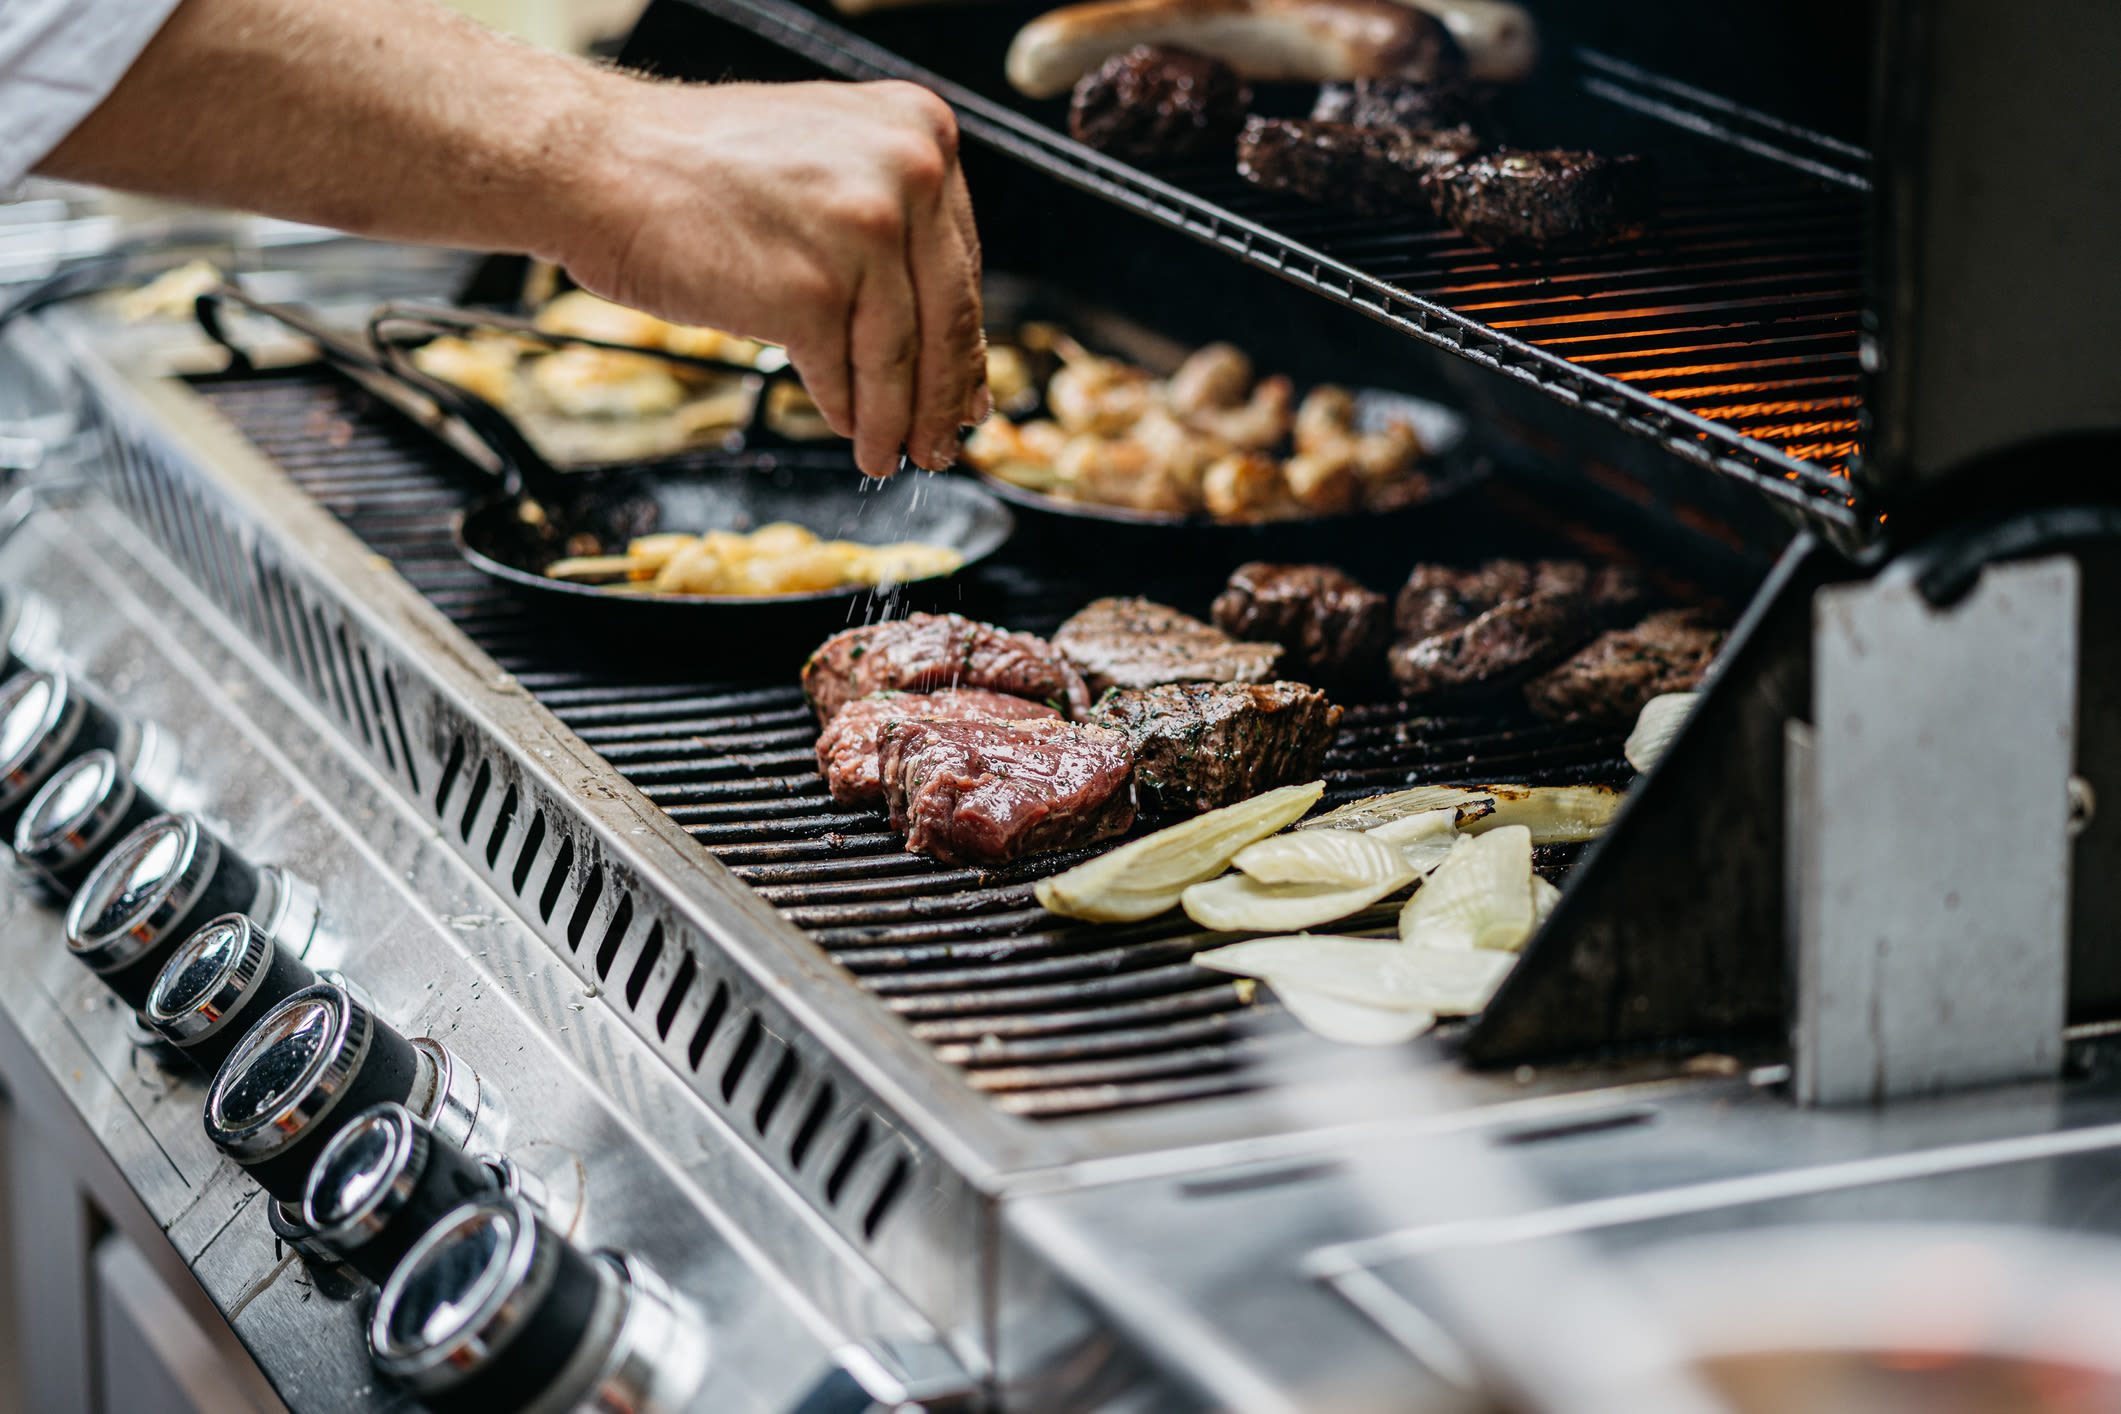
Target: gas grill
{"type": "Point", "coordinates": [899, 1138]}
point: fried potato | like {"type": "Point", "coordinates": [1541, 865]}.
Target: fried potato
{"type": "Point", "coordinates": [601, 383]}
{"type": "Point", "coordinates": [483, 367]}
{"type": "Point", "coordinates": [585, 316]}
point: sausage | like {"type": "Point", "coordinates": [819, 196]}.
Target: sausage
{"type": "Point", "coordinates": [1318, 40]}
{"type": "Point", "coordinates": [1500, 40]}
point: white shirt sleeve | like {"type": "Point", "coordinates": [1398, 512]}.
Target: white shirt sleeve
{"type": "Point", "coordinates": [58, 60]}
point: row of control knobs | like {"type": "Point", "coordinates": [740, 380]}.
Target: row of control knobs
{"type": "Point", "coordinates": [356, 1132]}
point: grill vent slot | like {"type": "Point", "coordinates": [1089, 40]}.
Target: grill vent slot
{"type": "Point", "coordinates": [813, 1120]}
{"type": "Point", "coordinates": [562, 864]}
{"type": "Point", "coordinates": [397, 717]}
{"type": "Point", "coordinates": [614, 936]}
{"type": "Point", "coordinates": [850, 1157]}
{"type": "Point", "coordinates": [740, 1059]}
{"type": "Point", "coordinates": [644, 968]}
{"type": "Point", "coordinates": [448, 783]}
{"type": "Point", "coordinates": [710, 1022]}
{"type": "Point", "coordinates": [375, 703]}
{"type": "Point", "coordinates": [353, 685]}
{"type": "Point", "coordinates": [679, 985]}
{"type": "Point", "coordinates": [501, 821]}
{"type": "Point", "coordinates": [480, 784]}
{"type": "Point", "coordinates": [528, 856]}
{"type": "Point", "coordinates": [886, 1196]}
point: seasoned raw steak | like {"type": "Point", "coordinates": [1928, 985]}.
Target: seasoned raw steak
{"type": "Point", "coordinates": [986, 792]}
{"type": "Point", "coordinates": [1329, 625]}
{"type": "Point", "coordinates": [847, 749]}
{"type": "Point", "coordinates": [1198, 746]}
{"type": "Point", "coordinates": [1380, 172]}
{"type": "Point", "coordinates": [1499, 649]}
{"type": "Point", "coordinates": [1157, 103]}
{"type": "Point", "coordinates": [1138, 643]}
{"type": "Point", "coordinates": [1402, 103]}
{"type": "Point", "coordinates": [1538, 202]}
{"type": "Point", "coordinates": [922, 652]}
{"type": "Point", "coordinates": [1611, 679]}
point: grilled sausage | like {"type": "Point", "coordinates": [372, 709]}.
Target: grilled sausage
{"type": "Point", "coordinates": [1500, 40]}
{"type": "Point", "coordinates": [1260, 39]}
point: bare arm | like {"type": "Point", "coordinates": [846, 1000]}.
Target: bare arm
{"type": "Point", "coordinates": [831, 218]}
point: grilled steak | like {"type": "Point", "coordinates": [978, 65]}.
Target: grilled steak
{"type": "Point", "coordinates": [922, 652]}
{"type": "Point", "coordinates": [1538, 202]}
{"type": "Point", "coordinates": [1329, 626]}
{"type": "Point", "coordinates": [1515, 640]}
{"type": "Point", "coordinates": [1402, 103]}
{"type": "Point", "coordinates": [847, 750]}
{"type": "Point", "coordinates": [1611, 679]}
{"type": "Point", "coordinates": [1437, 598]}
{"type": "Point", "coordinates": [987, 792]}
{"type": "Point", "coordinates": [1198, 746]}
{"type": "Point", "coordinates": [1155, 102]}
{"type": "Point", "coordinates": [1379, 172]}
{"type": "Point", "coordinates": [1137, 643]}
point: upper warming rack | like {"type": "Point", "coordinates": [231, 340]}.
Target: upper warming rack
{"type": "Point", "coordinates": [1729, 336]}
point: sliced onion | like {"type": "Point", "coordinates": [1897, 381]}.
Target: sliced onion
{"type": "Point", "coordinates": [1554, 814]}
{"type": "Point", "coordinates": [1352, 1023]}
{"type": "Point", "coordinates": [1481, 897]}
{"type": "Point", "coordinates": [1378, 972]}
{"type": "Point", "coordinates": [1662, 716]}
{"type": "Point", "coordinates": [1143, 878]}
{"type": "Point", "coordinates": [1239, 903]}
{"type": "Point", "coordinates": [1341, 857]}
{"type": "Point", "coordinates": [1544, 897]}
{"type": "Point", "coordinates": [1425, 838]}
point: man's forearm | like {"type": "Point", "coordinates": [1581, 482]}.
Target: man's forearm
{"type": "Point", "coordinates": [390, 118]}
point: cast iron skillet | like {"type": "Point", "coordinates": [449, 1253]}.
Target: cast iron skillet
{"type": "Point", "coordinates": [539, 514]}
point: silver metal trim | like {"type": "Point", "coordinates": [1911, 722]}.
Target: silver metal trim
{"type": "Point", "coordinates": [64, 711]}
{"type": "Point", "coordinates": [287, 907]}
{"type": "Point", "coordinates": [300, 1105]}
{"type": "Point", "coordinates": [292, 1228]}
{"type": "Point", "coordinates": [659, 1358]}
{"type": "Point", "coordinates": [64, 842]}
{"type": "Point", "coordinates": [225, 999]}
{"type": "Point", "coordinates": [145, 927]}
{"type": "Point", "coordinates": [526, 1273]}
{"type": "Point", "coordinates": [517, 1182]}
{"type": "Point", "coordinates": [455, 1097]}
{"type": "Point", "coordinates": [409, 1147]}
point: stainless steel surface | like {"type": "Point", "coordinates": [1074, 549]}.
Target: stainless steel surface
{"type": "Point", "coordinates": [452, 1100]}
{"type": "Point", "coordinates": [1933, 848]}
{"type": "Point", "coordinates": [661, 1352]}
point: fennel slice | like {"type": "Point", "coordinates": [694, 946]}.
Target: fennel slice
{"type": "Point", "coordinates": [1662, 716]}
{"type": "Point", "coordinates": [1239, 903]}
{"type": "Point", "coordinates": [1378, 972]}
{"type": "Point", "coordinates": [1481, 897]}
{"type": "Point", "coordinates": [1342, 857]}
{"type": "Point", "coordinates": [1144, 877]}
{"type": "Point", "coordinates": [1351, 1023]}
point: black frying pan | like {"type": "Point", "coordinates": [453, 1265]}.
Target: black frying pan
{"type": "Point", "coordinates": [539, 514]}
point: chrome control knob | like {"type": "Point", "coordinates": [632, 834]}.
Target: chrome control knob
{"type": "Point", "coordinates": [305, 1070]}
{"type": "Point", "coordinates": [86, 806]}
{"type": "Point", "coordinates": [219, 980]}
{"type": "Point", "coordinates": [492, 1312]}
{"type": "Point", "coordinates": [381, 1183]}
{"type": "Point", "coordinates": [155, 888]}
{"type": "Point", "coordinates": [45, 722]}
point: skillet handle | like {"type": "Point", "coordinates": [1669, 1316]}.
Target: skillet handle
{"type": "Point", "coordinates": [518, 465]}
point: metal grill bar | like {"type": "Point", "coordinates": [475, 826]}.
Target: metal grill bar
{"type": "Point", "coordinates": [1052, 1017]}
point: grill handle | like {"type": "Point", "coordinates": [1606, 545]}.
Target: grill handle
{"type": "Point", "coordinates": [506, 453]}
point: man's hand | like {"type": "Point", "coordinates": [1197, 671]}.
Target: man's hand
{"type": "Point", "coordinates": [831, 218]}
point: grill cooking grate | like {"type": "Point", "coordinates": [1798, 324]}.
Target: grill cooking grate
{"type": "Point", "coordinates": [1047, 1016]}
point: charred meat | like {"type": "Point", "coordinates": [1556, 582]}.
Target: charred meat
{"type": "Point", "coordinates": [1437, 598]}
{"type": "Point", "coordinates": [1329, 626]}
{"type": "Point", "coordinates": [1378, 172]}
{"type": "Point", "coordinates": [972, 792]}
{"type": "Point", "coordinates": [1157, 103]}
{"type": "Point", "coordinates": [1610, 680]}
{"type": "Point", "coordinates": [1540, 202]}
{"type": "Point", "coordinates": [1402, 103]}
{"type": "Point", "coordinates": [848, 749]}
{"type": "Point", "coordinates": [1499, 649]}
{"type": "Point", "coordinates": [1138, 643]}
{"type": "Point", "coordinates": [923, 652]}
{"type": "Point", "coordinates": [1200, 746]}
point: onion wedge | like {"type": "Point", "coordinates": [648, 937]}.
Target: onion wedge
{"type": "Point", "coordinates": [1352, 1023]}
{"type": "Point", "coordinates": [1554, 814]}
{"type": "Point", "coordinates": [1425, 838]}
{"type": "Point", "coordinates": [1342, 857]}
{"type": "Point", "coordinates": [1544, 897]}
{"type": "Point", "coordinates": [1481, 897]}
{"type": "Point", "coordinates": [1240, 903]}
{"type": "Point", "coordinates": [1142, 878]}
{"type": "Point", "coordinates": [1661, 718]}
{"type": "Point", "coordinates": [1376, 972]}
